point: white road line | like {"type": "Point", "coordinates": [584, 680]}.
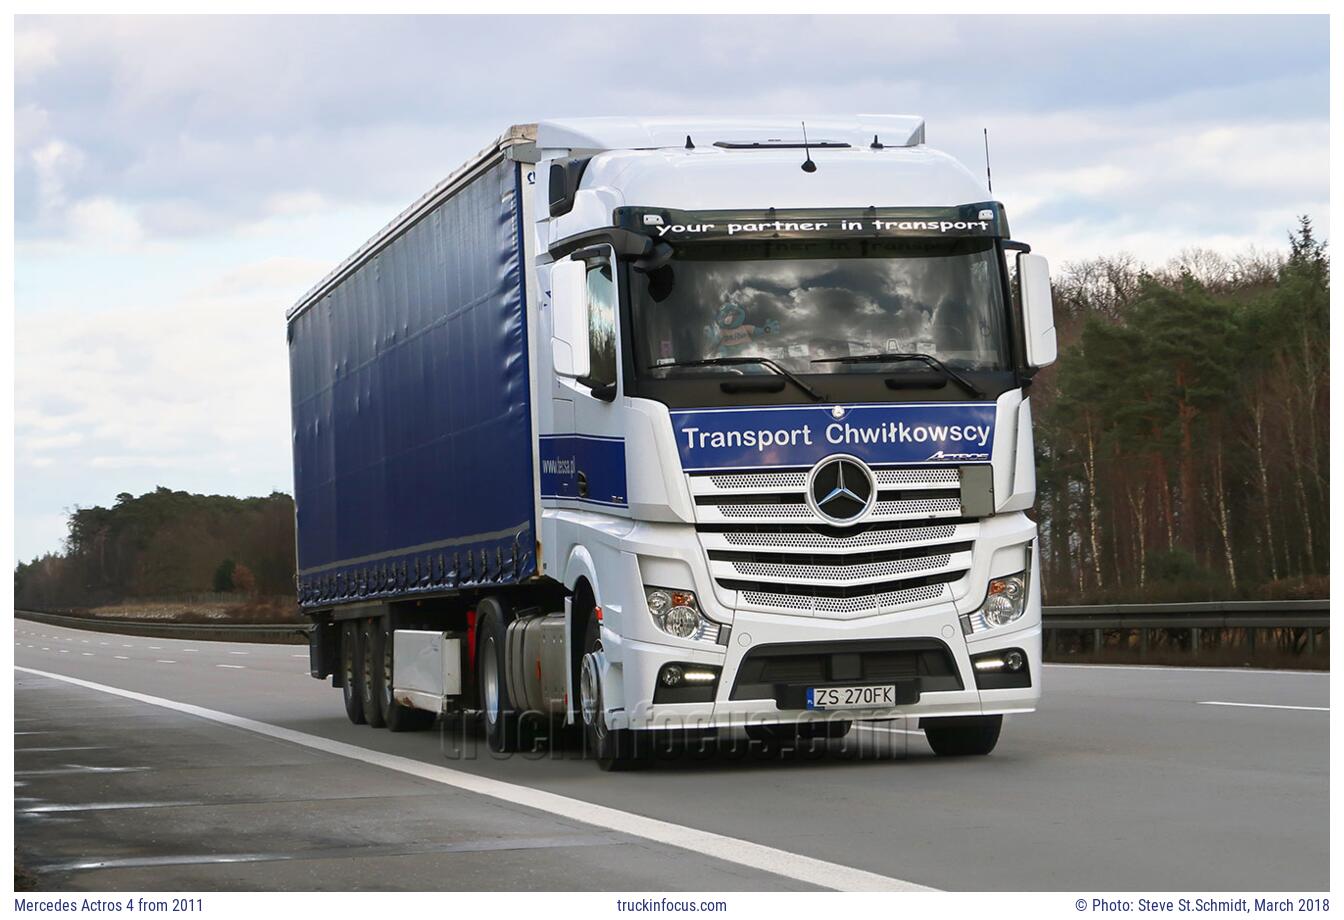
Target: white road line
{"type": "Point", "coordinates": [236, 667]}
{"type": "Point", "coordinates": [1194, 670]}
{"type": "Point", "coordinates": [237, 653]}
{"type": "Point", "coordinates": [87, 654]}
{"type": "Point", "coordinates": [121, 657]}
{"type": "Point", "coordinates": [190, 650]}
{"type": "Point", "coordinates": [298, 656]}
{"type": "Point", "coordinates": [164, 661]}
{"type": "Point", "coordinates": [1263, 705]}
{"type": "Point", "coordinates": [741, 852]}
{"type": "Point", "coordinates": [156, 648]}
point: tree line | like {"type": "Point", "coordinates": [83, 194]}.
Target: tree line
{"type": "Point", "coordinates": [166, 544]}
{"type": "Point", "coordinates": [1183, 436]}
{"type": "Point", "coordinates": [1182, 453]}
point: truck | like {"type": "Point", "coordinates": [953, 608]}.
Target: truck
{"type": "Point", "coordinates": [633, 427]}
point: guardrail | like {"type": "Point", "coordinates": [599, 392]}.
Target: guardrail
{"type": "Point", "coordinates": [1226, 629]}
{"type": "Point", "coordinates": [1217, 629]}
{"type": "Point", "coordinates": [277, 633]}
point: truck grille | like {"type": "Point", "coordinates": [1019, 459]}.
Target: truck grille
{"type": "Point", "coordinates": [764, 542]}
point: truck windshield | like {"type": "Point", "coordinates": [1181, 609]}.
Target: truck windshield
{"type": "Point", "coordinates": [800, 303]}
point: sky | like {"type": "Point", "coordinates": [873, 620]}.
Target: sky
{"type": "Point", "coordinates": [179, 182]}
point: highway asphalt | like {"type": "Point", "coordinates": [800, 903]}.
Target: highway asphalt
{"type": "Point", "coordinates": [1127, 779]}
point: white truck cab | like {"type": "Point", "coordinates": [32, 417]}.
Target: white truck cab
{"type": "Point", "coordinates": [783, 446]}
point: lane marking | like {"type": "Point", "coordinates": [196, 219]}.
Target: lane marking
{"type": "Point", "coordinates": [189, 650]}
{"type": "Point", "coordinates": [298, 656]}
{"type": "Point", "coordinates": [1263, 705]}
{"type": "Point", "coordinates": [87, 654]}
{"type": "Point", "coordinates": [121, 657]}
{"type": "Point", "coordinates": [51, 750]}
{"type": "Point", "coordinates": [236, 667]}
{"type": "Point", "coordinates": [103, 806]}
{"type": "Point", "coordinates": [1194, 670]}
{"type": "Point", "coordinates": [729, 849]}
{"type": "Point", "coordinates": [164, 661]}
{"type": "Point", "coordinates": [237, 653]}
{"type": "Point", "coordinates": [78, 768]}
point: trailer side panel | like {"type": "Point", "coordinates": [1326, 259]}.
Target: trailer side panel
{"type": "Point", "coordinates": [413, 442]}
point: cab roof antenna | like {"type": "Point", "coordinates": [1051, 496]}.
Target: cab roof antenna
{"type": "Point", "coordinates": [808, 165]}
{"type": "Point", "coordinates": [989, 179]}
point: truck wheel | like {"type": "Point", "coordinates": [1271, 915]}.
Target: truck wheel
{"type": "Point", "coordinates": [371, 671]}
{"type": "Point", "coordinates": [499, 719]}
{"type": "Point", "coordinates": [396, 717]}
{"type": "Point", "coordinates": [351, 674]}
{"type": "Point", "coordinates": [962, 736]}
{"type": "Point", "coordinates": [614, 749]}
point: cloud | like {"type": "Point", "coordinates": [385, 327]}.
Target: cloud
{"type": "Point", "coordinates": [34, 52]}
{"type": "Point", "coordinates": [180, 181]}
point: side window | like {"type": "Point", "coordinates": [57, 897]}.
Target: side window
{"type": "Point", "coordinates": [601, 323]}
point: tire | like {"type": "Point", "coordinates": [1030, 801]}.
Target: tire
{"type": "Point", "coordinates": [396, 717]}
{"type": "Point", "coordinates": [614, 750]}
{"type": "Point", "coordinates": [499, 717]}
{"type": "Point", "coordinates": [351, 674]}
{"type": "Point", "coordinates": [964, 736]}
{"type": "Point", "coordinates": [370, 655]}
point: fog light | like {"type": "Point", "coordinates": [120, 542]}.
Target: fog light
{"type": "Point", "coordinates": [989, 664]}
{"type": "Point", "coordinates": [699, 676]}
{"type": "Point", "coordinates": [672, 675]}
{"type": "Point", "coordinates": [1014, 661]}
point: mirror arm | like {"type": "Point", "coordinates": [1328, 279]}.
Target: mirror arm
{"type": "Point", "coordinates": [600, 390]}
{"type": "Point", "coordinates": [1015, 246]}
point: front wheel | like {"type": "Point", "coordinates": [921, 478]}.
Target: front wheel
{"type": "Point", "coordinates": [962, 736]}
{"type": "Point", "coordinates": [614, 749]}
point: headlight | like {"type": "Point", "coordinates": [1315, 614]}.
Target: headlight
{"type": "Point", "coordinates": [1005, 602]}
{"type": "Point", "coordinates": [677, 613]}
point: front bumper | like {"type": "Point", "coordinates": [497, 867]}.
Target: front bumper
{"type": "Point", "coordinates": [937, 695]}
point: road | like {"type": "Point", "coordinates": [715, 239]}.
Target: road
{"type": "Point", "coordinates": [1127, 779]}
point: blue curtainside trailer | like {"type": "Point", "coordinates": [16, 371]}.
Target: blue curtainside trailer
{"type": "Point", "coordinates": [414, 448]}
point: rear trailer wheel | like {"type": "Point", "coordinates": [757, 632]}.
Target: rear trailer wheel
{"type": "Point", "coordinates": [962, 736]}
{"type": "Point", "coordinates": [614, 749]}
{"type": "Point", "coordinates": [351, 674]}
{"type": "Point", "coordinates": [499, 719]}
{"type": "Point", "coordinates": [370, 657]}
{"type": "Point", "coordinates": [396, 717]}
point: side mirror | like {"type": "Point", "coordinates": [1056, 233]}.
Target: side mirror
{"type": "Point", "coordinates": [569, 318]}
{"type": "Point", "coordinates": [1038, 310]}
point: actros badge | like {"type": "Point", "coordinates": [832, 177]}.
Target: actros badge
{"type": "Point", "coordinates": [842, 489]}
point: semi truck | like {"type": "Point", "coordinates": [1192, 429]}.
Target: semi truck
{"type": "Point", "coordinates": [655, 425]}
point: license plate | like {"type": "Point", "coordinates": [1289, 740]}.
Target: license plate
{"type": "Point", "coordinates": [851, 697]}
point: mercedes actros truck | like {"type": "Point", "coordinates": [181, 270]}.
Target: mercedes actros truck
{"type": "Point", "coordinates": [669, 425]}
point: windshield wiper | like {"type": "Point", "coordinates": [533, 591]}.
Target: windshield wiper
{"type": "Point", "coordinates": [886, 357]}
{"type": "Point", "coordinates": [730, 361]}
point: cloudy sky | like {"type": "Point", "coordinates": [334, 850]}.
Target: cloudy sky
{"type": "Point", "coordinates": [179, 182]}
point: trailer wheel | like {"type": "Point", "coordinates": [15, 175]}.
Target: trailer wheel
{"type": "Point", "coordinates": [351, 673]}
{"type": "Point", "coordinates": [614, 749]}
{"type": "Point", "coordinates": [962, 736]}
{"type": "Point", "coordinates": [499, 718]}
{"type": "Point", "coordinates": [371, 668]}
{"type": "Point", "coordinates": [397, 717]}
